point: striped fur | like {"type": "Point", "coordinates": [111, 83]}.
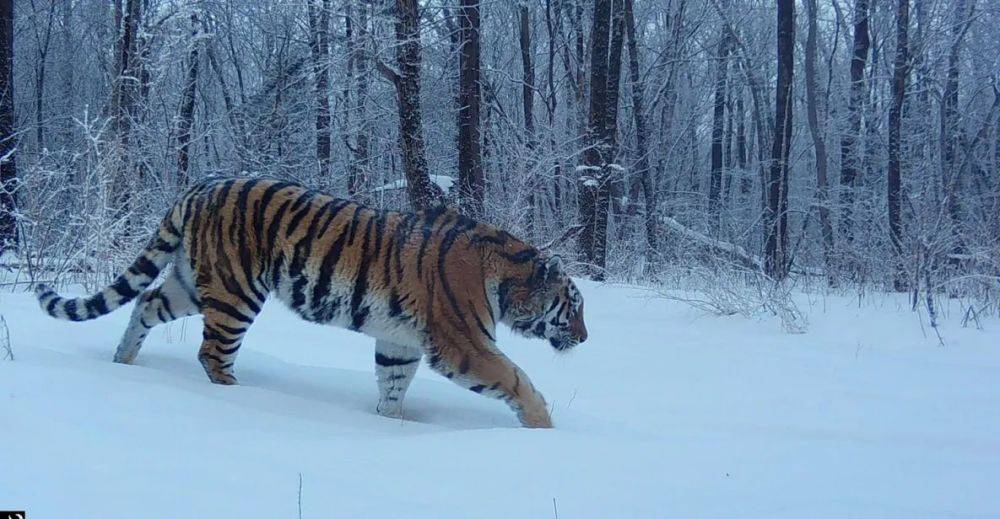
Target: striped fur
{"type": "Point", "coordinates": [433, 283]}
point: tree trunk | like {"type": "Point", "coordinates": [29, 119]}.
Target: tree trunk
{"type": "Point", "coordinates": [42, 41]}
{"type": "Point", "coordinates": [776, 212]}
{"type": "Point", "coordinates": [319, 23]}
{"type": "Point", "coordinates": [952, 175]}
{"type": "Point", "coordinates": [422, 192]}
{"type": "Point", "coordinates": [901, 71]}
{"type": "Point", "coordinates": [595, 183]}
{"type": "Point", "coordinates": [68, 77]}
{"type": "Point", "coordinates": [8, 167]}
{"type": "Point", "coordinates": [641, 140]}
{"type": "Point", "coordinates": [124, 96]}
{"type": "Point", "coordinates": [741, 146]}
{"type": "Point", "coordinates": [849, 154]}
{"type": "Point", "coordinates": [718, 120]}
{"type": "Point", "coordinates": [471, 184]}
{"type": "Point", "coordinates": [357, 73]}
{"type": "Point", "coordinates": [819, 143]}
{"type": "Point", "coordinates": [527, 108]}
{"type": "Point", "coordinates": [185, 119]}
{"type": "Point", "coordinates": [553, 25]}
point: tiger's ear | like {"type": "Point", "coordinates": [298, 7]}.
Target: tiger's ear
{"type": "Point", "coordinates": [548, 269]}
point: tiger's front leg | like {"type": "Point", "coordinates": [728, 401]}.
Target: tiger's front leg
{"type": "Point", "coordinates": [487, 371]}
{"type": "Point", "coordinates": [395, 366]}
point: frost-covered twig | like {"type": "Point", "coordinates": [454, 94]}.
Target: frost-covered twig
{"type": "Point", "coordinates": [300, 495]}
{"type": "Point", "coordinates": [5, 348]}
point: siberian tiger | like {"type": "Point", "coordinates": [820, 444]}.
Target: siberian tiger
{"type": "Point", "coordinates": [433, 282]}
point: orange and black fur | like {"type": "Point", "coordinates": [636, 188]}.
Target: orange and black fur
{"type": "Point", "coordinates": [432, 282]}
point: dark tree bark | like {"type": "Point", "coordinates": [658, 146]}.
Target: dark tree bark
{"type": "Point", "coordinates": [595, 183]}
{"type": "Point", "coordinates": [952, 172]}
{"type": "Point", "coordinates": [901, 71]}
{"type": "Point", "coordinates": [641, 139]}
{"type": "Point", "coordinates": [422, 192]}
{"type": "Point", "coordinates": [471, 184]}
{"type": "Point", "coordinates": [718, 120]}
{"type": "Point", "coordinates": [185, 119]}
{"type": "Point", "coordinates": [553, 26]}
{"type": "Point", "coordinates": [319, 23]}
{"type": "Point", "coordinates": [579, 53]}
{"type": "Point", "coordinates": [68, 76]}
{"type": "Point", "coordinates": [741, 146]}
{"type": "Point", "coordinates": [123, 105]}
{"type": "Point", "coordinates": [357, 74]}
{"type": "Point", "coordinates": [819, 144]}
{"type": "Point", "coordinates": [776, 212]}
{"type": "Point", "coordinates": [8, 167]}
{"type": "Point", "coordinates": [850, 160]}
{"type": "Point", "coordinates": [527, 108]}
{"type": "Point", "coordinates": [42, 40]}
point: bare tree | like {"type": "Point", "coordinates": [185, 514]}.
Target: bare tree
{"type": "Point", "coordinates": [642, 169]}
{"type": "Point", "coordinates": [901, 70]}
{"type": "Point", "coordinates": [718, 115]}
{"type": "Point", "coordinates": [185, 119]}
{"type": "Point", "coordinates": [816, 128]}
{"type": "Point", "coordinates": [422, 192]}
{"type": "Point", "coordinates": [8, 168]}
{"type": "Point", "coordinates": [850, 160]}
{"type": "Point", "coordinates": [43, 38]}
{"type": "Point", "coordinates": [599, 167]}
{"type": "Point", "coordinates": [472, 187]}
{"type": "Point", "coordinates": [356, 28]}
{"type": "Point", "coordinates": [126, 92]}
{"type": "Point", "coordinates": [776, 259]}
{"type": "Point", "coordinates": [319, 25]}
{"type": "Point", "coordinates": [952, 172]}
{"type": "Point", "coordinates": [527, 107]}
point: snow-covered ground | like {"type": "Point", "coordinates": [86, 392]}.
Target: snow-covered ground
{"type": "Point", "coordinates": [663, 412]}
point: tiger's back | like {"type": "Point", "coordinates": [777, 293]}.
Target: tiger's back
{"type": "Point", "coordinates": [432, 282]}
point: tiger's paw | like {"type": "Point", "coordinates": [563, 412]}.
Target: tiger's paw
{"type": "Point", "coordinates": [535, 416]}
{"type": "Point", "coordinates": [389, 409]}
{"type": "Point", "coordinates": [122, 358]}
{"type": "Point", "coordinates": [224, 379]}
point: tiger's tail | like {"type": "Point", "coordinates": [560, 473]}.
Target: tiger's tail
{"type": "Point", "coordinates": [126, 286]}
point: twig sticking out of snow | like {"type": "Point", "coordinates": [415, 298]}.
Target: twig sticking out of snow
{"type": "Point", "coordinates": [5, 349]}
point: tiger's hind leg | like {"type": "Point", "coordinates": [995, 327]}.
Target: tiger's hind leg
{"type": "Point", "coordinates": [172, 300]}
{"type": "Point", "coordinates": [395, 366]}
{"type": "Point", "coordinates": [225, 326]}
{"type": "Point", "coordinates": [489, 372]}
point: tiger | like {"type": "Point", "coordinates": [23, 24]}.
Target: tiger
{"type": "Point", "coordinates": [431, 285]}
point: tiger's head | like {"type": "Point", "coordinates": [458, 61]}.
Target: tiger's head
{"type": "Point", "coordinates": [545, 305]}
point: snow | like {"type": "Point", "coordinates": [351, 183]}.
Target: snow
{"type": "Point", "coordinates": [663, 412]}
{"type": "Point", "coordinates": [701, 238]}
{"type": "Point", "coordinates": [442, 181]}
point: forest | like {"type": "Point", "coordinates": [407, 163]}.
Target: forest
{"type": "Point", "coordinates": [852, 145]}
{"type": "Point", "coordinates": [777, 290]}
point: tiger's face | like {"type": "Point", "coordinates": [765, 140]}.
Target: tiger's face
{"type": "Point", "coordinates": [548, 306]}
